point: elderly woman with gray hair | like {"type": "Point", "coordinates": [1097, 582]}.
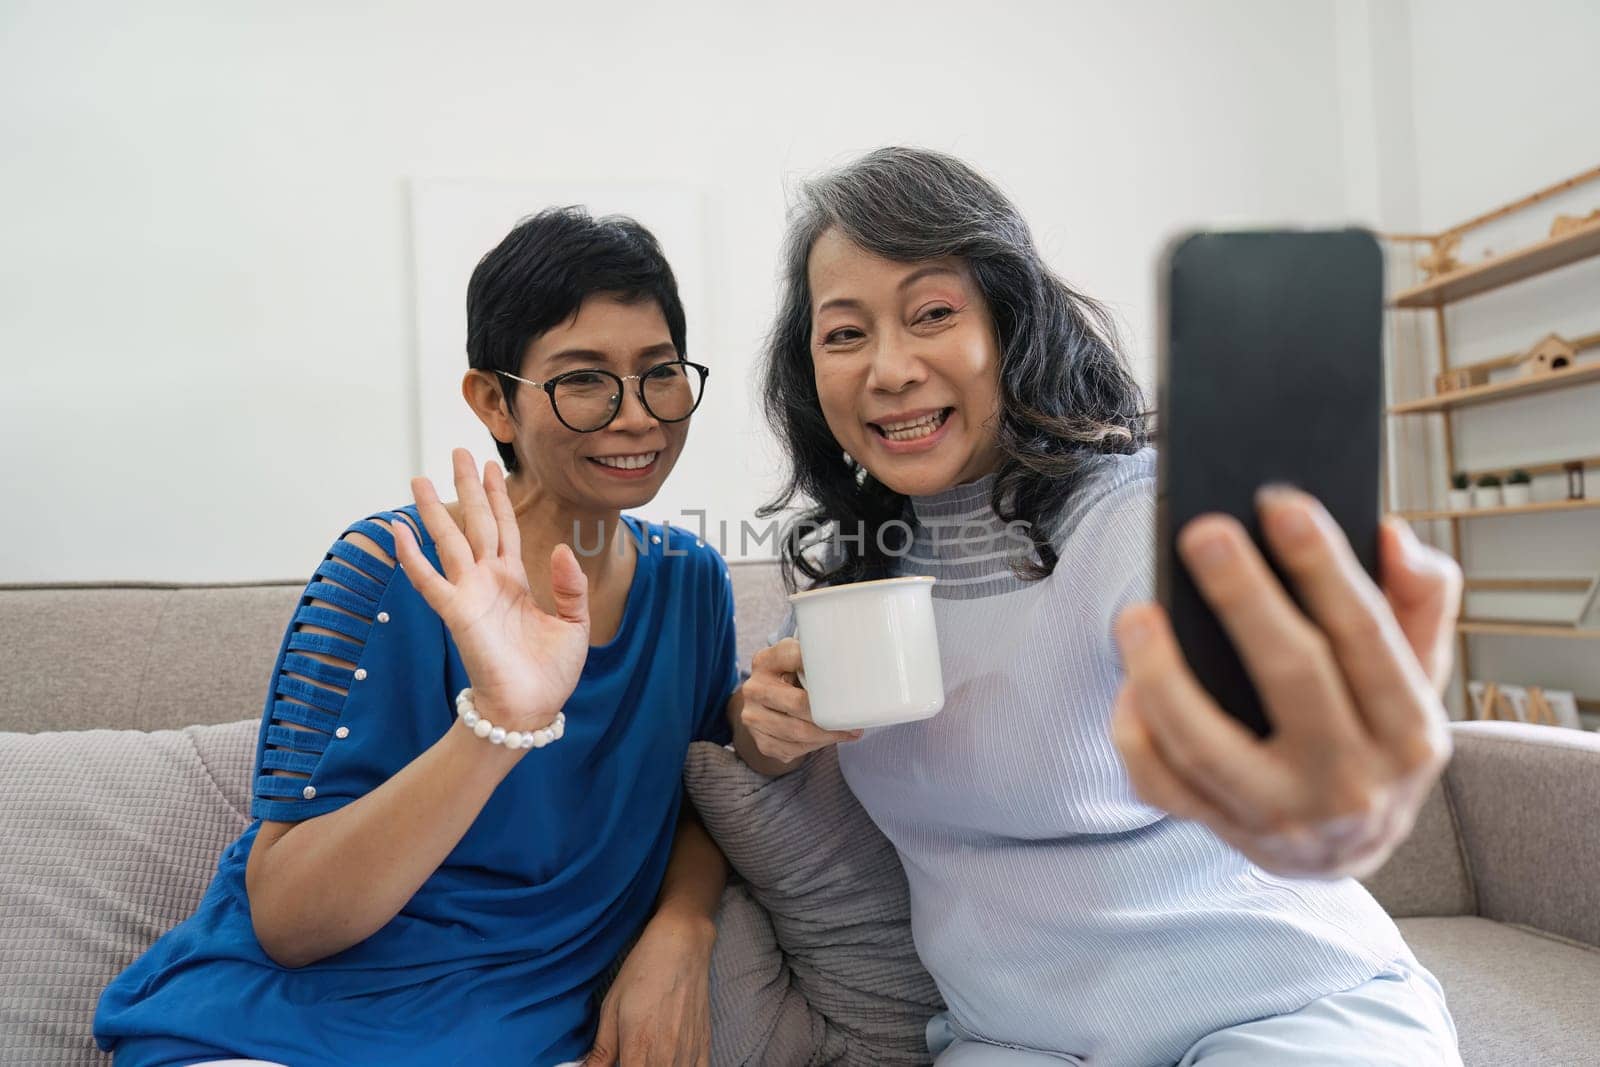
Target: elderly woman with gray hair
{"type": "Point", "coordinates": [1104, 866]}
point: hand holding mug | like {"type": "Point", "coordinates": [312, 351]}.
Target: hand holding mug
{"type": "Point", "coordinates": [777, 710]}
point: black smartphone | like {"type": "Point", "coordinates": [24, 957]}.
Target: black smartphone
{"type": "Point", "coordinates": [1271, 370]}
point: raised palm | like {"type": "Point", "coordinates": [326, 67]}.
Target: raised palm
{"type": "Point", "coordinates": [523, 661]}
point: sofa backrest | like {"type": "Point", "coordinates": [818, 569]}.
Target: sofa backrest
{"type": "Point", "coordinates": [138, 657]}
{"type": "Point", "coordinates": [132, 656]}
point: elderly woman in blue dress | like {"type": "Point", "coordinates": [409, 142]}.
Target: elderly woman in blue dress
{"type": "Point", "coordinates": [468, 800]}
{"type": "Point", "coordinates": [1104, 867]}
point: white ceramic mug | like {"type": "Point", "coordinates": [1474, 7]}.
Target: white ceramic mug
{"type": "Point", "coordinates": [871, 653]}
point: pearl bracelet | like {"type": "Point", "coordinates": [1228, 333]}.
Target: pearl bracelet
{"type": "Point", "coordinates": [497, 735]}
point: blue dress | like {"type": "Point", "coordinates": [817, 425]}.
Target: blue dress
{"type": "Point", "coordinates": [497, 957]}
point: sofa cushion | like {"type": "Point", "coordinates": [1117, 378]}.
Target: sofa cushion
{"type": "Point", "coordinates": [758, 1016]}
{"type": "Point", "coordinates": [1517, 995]}
{"type": "Point", "coordinates": [110, 839]}
{"type": "Point", "coordinates": [835, 892]}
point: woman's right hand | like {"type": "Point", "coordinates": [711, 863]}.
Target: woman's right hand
{"type": "Point", "coordinates": [777, 712]}
{"type": "Point", "coordinates": [522, 661]}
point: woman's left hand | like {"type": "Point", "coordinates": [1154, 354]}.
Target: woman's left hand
{"type": "Point", "coordinates": [1351, 686]}
{"type": "Point", "coordinates": [658, 1011]}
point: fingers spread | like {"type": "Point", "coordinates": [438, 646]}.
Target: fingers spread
{"type": "Point", "coordinates": [494, 485]}
{"type": "Point", "coordinates": [476, 516]}
{"type": "Point", "coordinates": [424, 579]}
{"type": "Point", "coordinates": [454, 552]}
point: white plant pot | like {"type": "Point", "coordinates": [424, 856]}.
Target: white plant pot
{"type": "Point", "coordinates": [1486, 497]}
{"type": "Point", "coordinates": [1517, 495]}
{"type": "Point", "coordinates": [1460, 499]}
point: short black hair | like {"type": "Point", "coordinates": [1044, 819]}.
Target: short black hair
{"type": "Point", "coordinates": [537, 277]}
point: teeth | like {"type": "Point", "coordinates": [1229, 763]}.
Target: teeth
{"type": "Point", "coordinates": [627, 463]}
{"type": "Point", "coordinates": [912, 429]}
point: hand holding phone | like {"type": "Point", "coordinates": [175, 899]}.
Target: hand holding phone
{"type": "Point", "coordinates": [1271, 373]}
{"type": "Point", "coordinates": [1280, 695]}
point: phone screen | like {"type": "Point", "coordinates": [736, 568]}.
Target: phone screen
{"type": "Point", "coordinates": [1271, 370]}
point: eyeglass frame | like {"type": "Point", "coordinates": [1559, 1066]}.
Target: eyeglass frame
{"type": "Point", "coordinates": [549, 387]}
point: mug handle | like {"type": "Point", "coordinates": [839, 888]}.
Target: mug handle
{"type": "Point", "coordinates": [800, 675]}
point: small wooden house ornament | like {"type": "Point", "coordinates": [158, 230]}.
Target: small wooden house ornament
{"type": "Point", "coordinates": [1552, 352]}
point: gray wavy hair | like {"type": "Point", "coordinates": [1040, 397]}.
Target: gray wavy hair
{"type": "Point", "coordinates": [1066, 395]}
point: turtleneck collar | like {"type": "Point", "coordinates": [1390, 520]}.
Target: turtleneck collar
{"type": "Point", "coordinates": [960, 540]}
{"type": "Point", "coordinates": [969, 500]}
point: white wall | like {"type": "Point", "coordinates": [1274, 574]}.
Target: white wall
{"type": "Point", "coordinates": [1503, 101]}
{"type": "Point", "coordinates": [205, 291]}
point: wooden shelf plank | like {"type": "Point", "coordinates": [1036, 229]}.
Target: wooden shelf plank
{"type": "Point", "coordinates": [1525, 629]}
{"type": "Point", "coordinates": [1483, 513]}
{"type": "Point", "coordinates": [1535, 585]}
{"type": "Point", "coordinates": [1547, 255]}
{"type": "Point", "coordinates": [1547, 467]}
{"type": "Point", "coordinates": [1577, 374]}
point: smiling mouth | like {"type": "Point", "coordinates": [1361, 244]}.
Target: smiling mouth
{"type": "Point", "coordinates": [912, 429]}
{"type": "Point", "coordinates": [638, 461]}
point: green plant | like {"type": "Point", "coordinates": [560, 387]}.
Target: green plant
{"type": "Point", "coordinates": [1489, 481]}
{"type": "Point", "coordinates": [1519, 477]}
{"type": "Point", "coordinates": [1459, 480]}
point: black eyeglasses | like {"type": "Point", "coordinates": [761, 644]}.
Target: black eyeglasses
{"type": "Point", "coordinates": [588, 400]}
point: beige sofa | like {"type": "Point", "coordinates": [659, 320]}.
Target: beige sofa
{"type": "Point", "coordinates": [108, 838]}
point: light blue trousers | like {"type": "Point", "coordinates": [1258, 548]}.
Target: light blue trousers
{"type": "Point", "coordinates": [1397, 1019]}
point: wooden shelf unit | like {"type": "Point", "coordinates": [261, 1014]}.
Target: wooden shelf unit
{"type": "Point", "coordinates": [1548, 255]}
{"type": "Point", "coordinates": [1575, 246]}
{"type": "Point", "coordinates": [1489, 513]}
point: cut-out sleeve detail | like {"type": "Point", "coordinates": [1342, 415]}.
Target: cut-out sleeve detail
{"type": "Point", "coordinates": [329, 647]}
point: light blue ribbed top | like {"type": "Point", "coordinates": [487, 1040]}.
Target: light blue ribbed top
{"type": "Point", "coordinates": [1054, 910]}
